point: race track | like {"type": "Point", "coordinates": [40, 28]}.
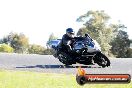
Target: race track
{"type": "Point", "coordinates": [49, 64]}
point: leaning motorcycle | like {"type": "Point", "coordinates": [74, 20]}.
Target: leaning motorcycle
{"type": "Point", "coordinates": [85, 51]}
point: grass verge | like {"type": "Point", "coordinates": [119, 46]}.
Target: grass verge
{"type": "Point", "coordinates": [25, 79]}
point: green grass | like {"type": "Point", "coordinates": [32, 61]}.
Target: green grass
{"type": "Point", "coordinates": [24, 79]}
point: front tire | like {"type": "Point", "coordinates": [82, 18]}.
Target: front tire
{"type": "Point", "coordinates": [102, 60]}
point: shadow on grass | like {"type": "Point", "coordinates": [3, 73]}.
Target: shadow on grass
{"type": "Point", "coordinates": [56, 66]}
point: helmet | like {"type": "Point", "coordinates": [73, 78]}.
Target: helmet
{"type": "Point", "coordinates": [69, 30]}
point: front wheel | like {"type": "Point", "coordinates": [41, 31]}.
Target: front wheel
{"type": "Point", "coordinates": [102, 60]}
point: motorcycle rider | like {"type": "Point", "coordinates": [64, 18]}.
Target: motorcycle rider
{"type": "Point", "coordinates": [65, 45]}
{"type": "Point", "coordinates": [67, 40]}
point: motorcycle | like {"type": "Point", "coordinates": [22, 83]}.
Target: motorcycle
{"type": "Point", "coordinates": [85, 51]}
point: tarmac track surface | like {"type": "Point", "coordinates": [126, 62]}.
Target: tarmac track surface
{"type": "Point", "coordinates": [49, 64]}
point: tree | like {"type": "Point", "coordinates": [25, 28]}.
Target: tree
{"type": "Point", "coordinates": [51, 37]}
{"type": "Point", "coordinates": [18, 41]}
{"type": "Point", "coordinates": [129, 53]}
{"type": "Point", "coordinates": [96, 23]}
{"type": "Point", "coordinates": [121, 45]}
{"type": "Point", "coordinates": [48, 51]}
{"type": "Point", "coordinates": [36, 49]}
{"type": "Point", "coordinates": [6, 48]}
{"type": "Point", "coordinates": [82, 31]}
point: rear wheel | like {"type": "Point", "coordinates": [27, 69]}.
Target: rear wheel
{"type": "Point", "coordinates": [102, 60]}
{"type": "Point", "coordinates": [65, 59]}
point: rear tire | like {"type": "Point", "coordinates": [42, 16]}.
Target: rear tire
{"type": "Point", "coordinates": [65, 59]}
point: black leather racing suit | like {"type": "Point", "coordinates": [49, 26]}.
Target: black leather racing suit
{"type": "Point", "coordinates": [66, 43]}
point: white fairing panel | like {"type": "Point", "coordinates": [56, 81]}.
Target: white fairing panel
{"type": "Point", "coordinates": [97, 46]}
